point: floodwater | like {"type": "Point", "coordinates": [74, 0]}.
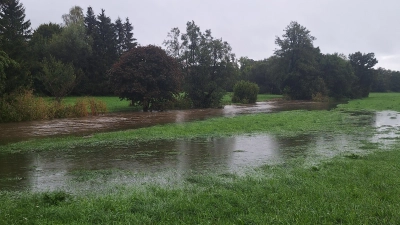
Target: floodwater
{"type": "Point", "coordinates": [13, 132]}
{"type": "Point", "coordinates": [62, 169]}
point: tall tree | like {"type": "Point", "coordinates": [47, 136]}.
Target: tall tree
{"type": "Point", "coordinates": [104, 53]}
{"type": "Point", "coordinates": [120, 34]}
{"type": "Point", "coordinates": [130, 41]}
{"type": "Point", "coordinates": [15, 31]}
{"type": "Point", "coordinates": [299, 57]}
{"type": "Point", "coordinates": [208, 64]}
{"type": "Point", "coordinates": [363, 69]}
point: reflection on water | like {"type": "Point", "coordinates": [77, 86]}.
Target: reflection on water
{"type": "Point", "coordinates": [53, 170]}
{"type": "Point", "coordinates": [58, 169]}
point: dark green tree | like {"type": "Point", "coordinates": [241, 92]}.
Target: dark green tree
{"type": "Point", "coordinates": [381, 80]}
{"type": "Point", "coordinates": [146, 76]}
{"type": "Point", "coordinates": [394, 81]}
{"type": "Point", "coordinates": [338, 75]}
{"type": "Point", "coordinates": [299, 63]}
{"type": "Point", "coordinates": [208, 64]}
{"type": "Point", "coordinates": [5, 62]}
{"type": "Point", "coordinates": [15, 32]}
{"type": "Point", "coordinates": [90, 22]}
{"type": "Point", "coordinates": [267, 75]}
{"type": "Point", "coordinates": [363, 69]}
{"type": "Point", "coordinates": [120, 34]}
{"type": "Point", "coordinates": [130, 41]}
{"type": "Point", "coordinates": [39, 45]}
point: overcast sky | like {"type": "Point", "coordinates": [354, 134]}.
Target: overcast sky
{"type": "Point", "coordinates": [250, 26]}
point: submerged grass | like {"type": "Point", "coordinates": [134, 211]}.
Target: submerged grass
{"type": "Point", "coordinates": [347, 190]}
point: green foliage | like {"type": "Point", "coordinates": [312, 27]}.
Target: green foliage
{"type": "Point", "coordinates": [363, 69]}
{"type": "Point", "coordinates": [338, 75]}
{"type": "Point", "coordinates": [148, 76]}
{"type": "Point", "coordinates": [245, 92]}
{"type": "Point", "coordinates": [298, 53]}
{"type": "Point", "coordinates": [385, 81]}
{"type": "Point", "coordinates": [57, 77]}
{"type": "Point", "coordinates": [208, 64]}
{"type": "Point", "coordinates": [14, 35]}
{"type": "Point", "coordinates": [5, 62]}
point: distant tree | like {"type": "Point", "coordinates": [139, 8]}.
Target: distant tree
{"type": "Point", "coordinates": [299, 60]}
{"type": "Point", "coordinates": [246, 65]}
{"type": "Point", "coordinates": [40, 48]}
{"type": "Point", "coordinates": [105, 54]}
{"type": "Point", "coordinates": [363, 69]}
{"type": "Point", "coordinates": [394, 81]}
{"type": "Point", "coordinates": [73, 45]}
{"type": "Point", "coordinates": [381, 80]}
{"type": "Point", "coordinates": [57, 77]}
{"type": "Point", "coordinates": [130, 41]}
{"type": "Point", "coordinates": [173, 44]}
{"type": "Point", "coordinates": [147, 76]}
{"type": "Point", "coordinates": [338, 75]}
{"type": "Point", "coordinates": [120, 34]}
{"type": "Point", "coordinates": [15, 32]}
{"type": "Point", "coordinates": [267, 75]}
{"type": "Point", "coordinates": [90, 22]}
{"type": "Point", "coordinates": [5, 62]}
{"type": "Point", "coordinates": [208, 64]}
{"type": "Point", "coordinates": [75, 16]}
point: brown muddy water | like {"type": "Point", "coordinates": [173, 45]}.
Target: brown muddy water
{"type": "Point", "coordinates": [163, 161]}
{"type": "Point", "coordinates": [14, 132]}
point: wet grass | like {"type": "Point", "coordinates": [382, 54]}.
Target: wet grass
{"type": "Point", "coordinates": [347, 190]}
{"type": "Point", "coordinates": [290, 123]}
{"type": "Point", "coordinates": [375, 102]}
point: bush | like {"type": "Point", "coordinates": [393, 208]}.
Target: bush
{"type": "Point", "coordinates": [245, 92]}
{"type": "Point", "coordinates": [24, 106]}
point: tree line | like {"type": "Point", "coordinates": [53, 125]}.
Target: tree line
{"type": "Point", "coordinates": [60, 59]}
{"type": "Point", "coordinates": [90, 54]}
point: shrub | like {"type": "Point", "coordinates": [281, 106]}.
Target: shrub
{"type": "Point", "coordinates": [245, 92]}
{"type": "Point", "coordinates": [24, 106]}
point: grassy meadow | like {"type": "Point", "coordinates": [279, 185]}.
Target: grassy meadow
{"type": "Point", "coordinates": [348, 189]}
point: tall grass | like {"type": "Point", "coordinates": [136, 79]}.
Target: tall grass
{"type": "Point", "coordinates": [24, 106]}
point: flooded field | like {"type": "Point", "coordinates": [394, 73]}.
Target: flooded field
{"type": "Point", "coordinates": [153, 160]}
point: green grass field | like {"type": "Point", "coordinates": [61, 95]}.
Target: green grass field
{"type": "Point", "coordinates": [348, 189]}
